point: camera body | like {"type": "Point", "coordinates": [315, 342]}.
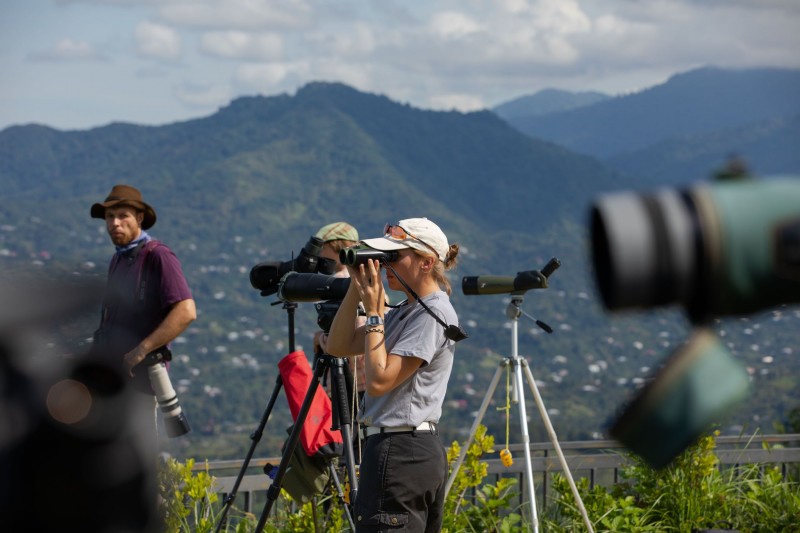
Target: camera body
{"type": "Point", "coordinates": [717, 249]}
{"type": "Point", "coordinates": [266, 276]}
{"type": "Point", "coordinates": [175, 421]}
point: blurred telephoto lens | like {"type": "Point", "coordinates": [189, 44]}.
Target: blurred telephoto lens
{"type": "Point", "coordinates": [724, 248]}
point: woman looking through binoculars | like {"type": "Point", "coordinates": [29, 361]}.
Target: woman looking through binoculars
{"type": "Point", "coordinates": [408, 360]}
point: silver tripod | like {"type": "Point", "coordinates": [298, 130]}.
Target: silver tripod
{"type": "Point", "coordinates": [518, 363]}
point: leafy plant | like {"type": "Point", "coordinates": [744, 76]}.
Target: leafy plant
{"type": "Point", "coordinates": [472, 505]}
{"type": "Point", "coordinates": [692, 493]}
{"type": "Point", "coordinates": [188, 500]}
{"type": "Point", "coordinates": [607, 511]}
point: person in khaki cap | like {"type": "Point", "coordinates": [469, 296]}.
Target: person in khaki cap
{"type": "Point", "coordinates": [335, 237]}
{"type": "Point", "coordinates": [148, 302]}
{"type": "Point", "coordinates": [408, 352]}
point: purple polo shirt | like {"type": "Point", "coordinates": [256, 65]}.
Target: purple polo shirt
{"type": "Point", "coordinates": [143, 284]}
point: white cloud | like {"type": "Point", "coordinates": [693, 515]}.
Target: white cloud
{"type": "Point", "coordinates": [204, 96]}
{"type": "Point", "coordinates": [243, 45]}
{"type": "Point", "coordinates": [263, 76]}
{"type": "Point", "coordinates": [461, 102]}
{"type": "Point", "coordinates": [444, 54]}
{"type": "Point", "coordinates": [157, 41]}
{"type": "Point", "coordinates": [238, 14]}
{"type": "Point", "coordinates": [69, 50]}
{"type": "Point", "coordinates": [453, 25]}
{"type": "Point", "coordinates": [355, 74]}
{"type": "Point", "coordinates": [354, 44]}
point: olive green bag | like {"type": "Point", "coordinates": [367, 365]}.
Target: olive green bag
{"type": "Point", "coordinates": [305, 476]}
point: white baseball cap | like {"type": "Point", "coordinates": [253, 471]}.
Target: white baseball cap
{"type": "Point", "coordinates": [417, 233]}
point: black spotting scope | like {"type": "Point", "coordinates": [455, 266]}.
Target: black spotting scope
{"type": "Point", "coordinates": [305, 287]}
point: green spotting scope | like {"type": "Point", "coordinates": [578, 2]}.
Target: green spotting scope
{"type": "Point", "coordinates": [727, 248]}
{"type": "Point", "coordinates": [717, 249]}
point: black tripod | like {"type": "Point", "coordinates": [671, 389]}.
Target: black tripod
{"type": "Point", "coordinates": [256, 435]}
{"type": "Point", "coordinates": [341, 413]}
{"type": "Point", "coordinates": [322, 364]}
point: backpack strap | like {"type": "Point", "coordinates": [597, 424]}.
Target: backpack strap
{"type": "Point", "coordinates": [144, 273]}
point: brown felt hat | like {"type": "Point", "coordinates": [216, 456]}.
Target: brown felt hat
{"type": "Point", "coordinates": [126, 195]}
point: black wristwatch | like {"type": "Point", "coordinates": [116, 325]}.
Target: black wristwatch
{"type": "Point", "coordinates": [374, 320]}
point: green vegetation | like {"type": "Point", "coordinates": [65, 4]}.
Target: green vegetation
{"type": "Point", "coordinates": [692, 493]}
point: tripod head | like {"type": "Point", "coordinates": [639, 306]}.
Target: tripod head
{"type": "Point", "coordinates": [326, 311]}
{"type": "Point", "coordinates": [514, 311]}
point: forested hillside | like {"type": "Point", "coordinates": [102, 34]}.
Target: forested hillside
{"type": "Point", "coordinates": [252, 182]}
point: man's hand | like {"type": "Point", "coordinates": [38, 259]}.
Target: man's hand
{"type": "Point", "coordinates": [177, 320]}
{"type": "Point", "coordinates": [133, 358]}
{"type": "Point", "coordinates": [320, 342]}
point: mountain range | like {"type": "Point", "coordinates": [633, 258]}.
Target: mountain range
{"type": "Point", "coordinates": [253, 181]}
{"type": "Point", "coordinates": [545, 102]}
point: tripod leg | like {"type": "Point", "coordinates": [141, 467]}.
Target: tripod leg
{"type": "Point", "coordinates": [486, 399]}
{"type": "Point", "coordinates": [523, 423]}
{"type": "Point", "coordinates": [342, 412]}
{"type": "Point", "coordinates": [554, 440]}
{"type": "Point", "coordinates": [340, 493]}
{"type": "Point", "coordinates": [274, 489]}
{"type": "Point", "coordinates": [255, 437]}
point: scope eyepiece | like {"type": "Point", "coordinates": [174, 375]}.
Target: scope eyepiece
{"type": "Point", "coordinates": [267, 276]}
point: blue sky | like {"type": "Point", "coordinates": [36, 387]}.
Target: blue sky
{"type": "Point", "coordinates": [77, 64]}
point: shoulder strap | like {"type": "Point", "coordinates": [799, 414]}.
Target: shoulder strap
{"type": "Point", "coordinates": [454, 332]}
{"type": "Point", "coordinates": [148, 247]}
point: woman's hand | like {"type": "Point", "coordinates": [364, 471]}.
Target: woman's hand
{"type": "Point", "coordinates": [367, 279]}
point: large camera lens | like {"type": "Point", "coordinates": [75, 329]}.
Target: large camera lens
{"type": "Point", "coordinates": [644, 248]}
{"type": "Point", "coordinates": [175, 421]}
{"type": "Point", "coordinates": [725, 248]}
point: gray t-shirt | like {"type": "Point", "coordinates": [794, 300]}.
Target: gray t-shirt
{"type": "Point", "coordinates": [411, 331]}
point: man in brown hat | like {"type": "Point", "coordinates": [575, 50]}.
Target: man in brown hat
{"type": "Point", "coordinates": [148, 302]}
